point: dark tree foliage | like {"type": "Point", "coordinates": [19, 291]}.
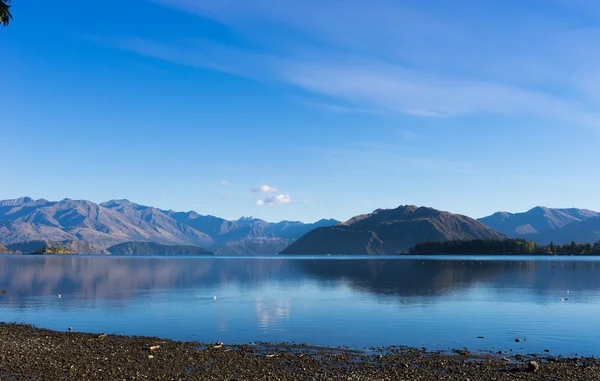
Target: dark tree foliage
{"type": "Point", "coordinates": [5, 15]}
{"type": "Point", "coordinates": [508, 247]}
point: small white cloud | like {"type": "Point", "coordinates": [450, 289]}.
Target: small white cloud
{"type": "Point", "coordinates": [224, 182]}
{"type": "Point", "coordinates": [264, 189]}
{"type": "Point", "coordinates": [275, 200]}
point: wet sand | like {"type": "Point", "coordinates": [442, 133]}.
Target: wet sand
{"type": "Point", "coordinates": [29, 353]}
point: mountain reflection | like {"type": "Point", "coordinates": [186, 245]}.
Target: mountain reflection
{"type": "Point", "coordinates": [438, 277]}
{"type": "Point", "coordinates": [106, 277]}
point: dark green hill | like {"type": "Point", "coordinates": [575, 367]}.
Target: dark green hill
{"type": "Point", "coordinates": [391, 231]}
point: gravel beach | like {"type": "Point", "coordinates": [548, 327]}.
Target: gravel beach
{"type": "Point", "coordinates": [28, 353]}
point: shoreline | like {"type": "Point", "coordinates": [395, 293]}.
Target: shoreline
{"type": "Point", "coordinates": [308, 256]}
{"type": "Point", "coordinates": [28, 352]}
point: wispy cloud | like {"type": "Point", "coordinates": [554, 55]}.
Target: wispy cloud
{"type": "Point", "coordinates": [264, 189]}
{"type": "Point", "coordinates": [224, 182]}
{"type": "Point", "coordinates": [337, 108]}
{"type": "Point", "coordinates": [360, 159]}
{"type": "Point", "coordinates": [403, 58]}
{"type": "Point", "coordinates": [408, 134]}
{"type": "Point", "coordinates": [275, 200]}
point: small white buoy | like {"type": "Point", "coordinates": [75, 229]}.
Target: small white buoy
{"type": "Point", "coordinates": [60, 295]}
{"type": "Point", "coordinates": [562, 300]}
{"type": "Point", "coordinates": [214, 298]}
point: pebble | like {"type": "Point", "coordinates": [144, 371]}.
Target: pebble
{"type": "Point", "coordinates": [27, 353]}
{"type": "Point", "coordinates": [533, 366]}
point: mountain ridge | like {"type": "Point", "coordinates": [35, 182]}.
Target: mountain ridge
{"type": "Point", "coordinates": [86, 227]}
{"type": "Point", "coordinates": [541, 223]}
{"type": "Point", "coordinates": [118, 221]}
{"type": "Point", "coordinates": [390, 231]}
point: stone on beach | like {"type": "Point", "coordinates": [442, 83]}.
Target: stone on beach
{"type": "Point", "coordinates": [533, 366]}
{"type": "Point", "coordinates": [27, 352]}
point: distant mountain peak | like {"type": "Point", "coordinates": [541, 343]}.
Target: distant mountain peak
{"type": "Point", "coordinates": [536, 220]}
{"type": "Point", "coordinates": [324, 220]}
{"type": "Point", "coordinates": [539, 209]}
{"type": "Point", "coordinates": [411, 207]}
{"type": "Point", "coordinates": [16, 201]}
{"type": "Point", "coordinates": [122, 201]}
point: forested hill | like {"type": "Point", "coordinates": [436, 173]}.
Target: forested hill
{"type": "Point", "coordinates": [504, 247]}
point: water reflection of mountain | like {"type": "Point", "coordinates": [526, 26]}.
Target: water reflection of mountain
{"type": "Point", "coordinates": [107, 277]}
{"type": "Point", "coordinates": [437, 277]}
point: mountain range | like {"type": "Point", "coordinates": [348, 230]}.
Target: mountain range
{"type": "Point", "coordinates": [121, 226]}
{"type": "Point", "coordinates": [77, 223]}
{"type": "Point", "coordinates": [544, 225]}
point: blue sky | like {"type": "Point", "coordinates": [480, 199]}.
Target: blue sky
{"type": "Point", "coordinates": [343, 107]}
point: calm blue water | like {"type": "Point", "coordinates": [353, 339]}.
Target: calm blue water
{"type": "Point", "coordinates": [440, 303]}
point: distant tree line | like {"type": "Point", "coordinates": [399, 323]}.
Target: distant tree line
{"type": "Point", "coordinates": [52, 250]}
{"type": "Point", "coordinates": [508, 247]}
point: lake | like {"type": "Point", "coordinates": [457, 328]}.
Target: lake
{"type": "Point", "coordinates": [433, 302]}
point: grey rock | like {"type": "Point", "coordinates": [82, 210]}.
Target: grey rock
{"type": "Point", "coordinates": [533, 367]}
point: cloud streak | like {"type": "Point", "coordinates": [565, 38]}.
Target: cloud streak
{"type": "Point", "coordinates": [402, 58]}
{"type": "Point", "coordinates": [264, 189]}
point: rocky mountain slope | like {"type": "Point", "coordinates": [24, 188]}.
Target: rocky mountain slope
{"type": "Point", "coordinates": [586, 231]}
{"type": "Point", "coordinates": [545, 225]}
{"type": "Point", "coordinates": [99, 225]}
{"type": "Point", "coordinates": [536, 220]}
{"type": "Point", "coordinates": [391, 231]}
{"type": "Point", "coordinates": [110, 223]}
{"type": "Point", "coordinates": [5, 250]}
